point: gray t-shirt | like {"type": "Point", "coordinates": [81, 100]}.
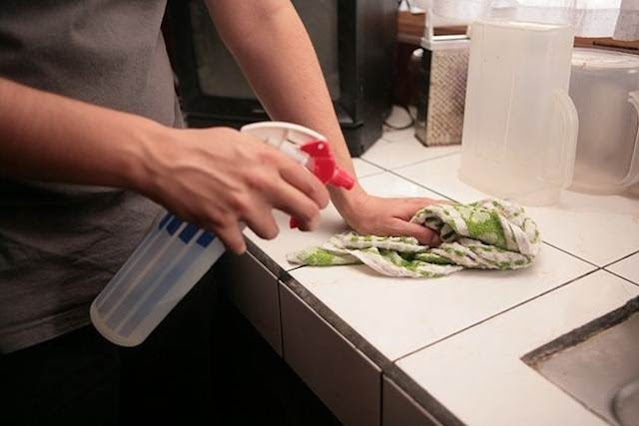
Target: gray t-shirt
{"type": "Point", "coordinates": [60, 244]}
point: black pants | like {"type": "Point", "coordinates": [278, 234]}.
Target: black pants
{"type": "Point", "coordinates": [82, 379]}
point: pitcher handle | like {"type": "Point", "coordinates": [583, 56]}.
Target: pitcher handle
{"type": "Point", "coordinates": [568, 131]}
{"type": "Point", "coordinates": [633, 173]}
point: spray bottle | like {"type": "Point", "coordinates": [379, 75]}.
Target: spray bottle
{"type": "Point", "coordinates": [174, 255]}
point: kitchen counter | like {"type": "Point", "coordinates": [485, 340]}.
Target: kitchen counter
{"type": "Point", "coordinates": [391, 351]}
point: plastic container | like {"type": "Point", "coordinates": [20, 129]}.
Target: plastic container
{"type": "Point", "coordinates": [174, 255]}
{"type": "Point", "coordinates": [605, 88]}
{"type": "Point", "coordinates": [520, 126]}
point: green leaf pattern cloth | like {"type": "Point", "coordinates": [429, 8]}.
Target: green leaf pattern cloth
{"type": "Point", "coordinates": [488, 234]}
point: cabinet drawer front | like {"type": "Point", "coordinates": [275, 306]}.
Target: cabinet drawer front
{"type": "Point", "coordinates": [253, 290]}
{"type": "Point", "coordinates": [340, 375]}
{"type": "Point", "coordinates": [401, 410]}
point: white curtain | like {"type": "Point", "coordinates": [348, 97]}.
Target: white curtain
{"type": "Point", "coordinates": [591, 18]}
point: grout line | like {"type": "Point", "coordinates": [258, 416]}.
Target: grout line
{"type": "Point", "coordinates": [620, 259]}
{"type": "Point", "coordinates": [401, 166]}
{"type": "Point", "coordinates": [394, 173]}
{"type": "Point", "coordinates": [375, 173]}
{"type": "Point", "coordinates": [621, 276]}
{"type": "Point", "coordinates": [382, 169]}
{"type": "Point", "coordinates": [372, 164]}
{"type": "Point", "coordinates": [381, 397]}
{"type": "Point", "coordinates": [421, 185]}
{"type": "Point", "coordinates": [439, 157]}
{"type": "Point", "coordinates": [279, 311]}
{"type": "Point", "coordinates": [571, 254]}
{"type": "Point", "coordinates": [294, 268]}
{"type": "Point", "coordinates": [495, 315]}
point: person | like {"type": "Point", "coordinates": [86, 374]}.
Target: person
{"type": "Point", "coordinates": [91, 143]}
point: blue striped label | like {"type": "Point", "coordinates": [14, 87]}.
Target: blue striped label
{"type": "Point", "coordinates": [173, 226]}
{"type": "Point", "coordinates": [188, 232]}
{"type": "Point", "coordinates": [163, 285]}
{"type": "Point", "coordinates": [205, 239]}
{"type": "Point", "coordinates": [164, 220]}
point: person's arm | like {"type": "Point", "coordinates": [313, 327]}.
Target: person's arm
{"type": "Point", "coordinates": [270, 43]}
{"type": "Point", "coordinates": [212, 177]}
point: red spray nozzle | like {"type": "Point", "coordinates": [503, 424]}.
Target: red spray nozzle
{"type": "Point", "coordinates": [342, 179]}
{"type": "Point", "coordinates": [325, 168]}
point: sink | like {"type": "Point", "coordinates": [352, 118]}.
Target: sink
{"type": "Point", "coordinates": [598, 364]}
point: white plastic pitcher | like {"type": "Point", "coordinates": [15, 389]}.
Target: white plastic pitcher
{"type": "Point", "coordinates": [174, 255]}
{"type": "Point", "coordinates": [520, 125]}
{"type": "Point", "coordinates": [604, 85]}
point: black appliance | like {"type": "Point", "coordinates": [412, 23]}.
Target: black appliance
{"type": "Point", "coordinates": [354, 41]}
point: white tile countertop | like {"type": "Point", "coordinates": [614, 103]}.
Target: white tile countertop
{"type": "Point", "coordinates": [400, 315]}
{"type": "Point", "coordinates": [400, 148]}
{"type": "Point", "coordinates": [627, 268]}
{"type": "Point", "coordinates": [598, 229]}
{"type": "Point", "coordinates": [459, 339]}
{"type": "Point", "coordinates": [491, 384]}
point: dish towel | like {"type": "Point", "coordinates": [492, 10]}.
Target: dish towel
{"type": "Point", "coordinates": [488, 234]}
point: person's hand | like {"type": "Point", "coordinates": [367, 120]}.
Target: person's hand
{"type": "Point", "coordinates": [390, 217]}
{"type": "Point", "coordinates": [218, 177]}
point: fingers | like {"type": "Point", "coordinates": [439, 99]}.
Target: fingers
{"type": "Point", "coordinates": [270, 190]}
{"type": "Point", "coordinates": [219, 185]}
{"type": "Point", "coordinates": [292, 201]}
{"type": "Point", "coordinates": [261, 221]}
{"type": "Point", "coordinates": [306, 182]}
{"type": "Point", "coordinates": [292, 189]}
{"type": "Point", "coordinates": [407, 207]}
{"type": "Point", "coordinates": [232, 237]}
{"type": "Point", "coordinates": [308, 226]}
{"type": "Point", "coordinates": [281, 195]}
{"type": "Point", "coordinates": [423, 234]}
